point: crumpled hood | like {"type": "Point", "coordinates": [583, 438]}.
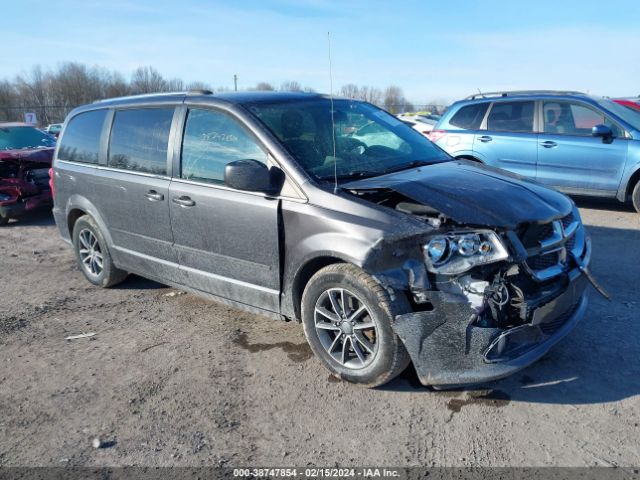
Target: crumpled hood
{"type": "Point", "coordinates": [474, 194]}
{"type": "Point", "coordinates": [36, 155]}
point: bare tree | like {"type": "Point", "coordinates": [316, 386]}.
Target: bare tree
{"type": "Point", "coordinates": [393, 99]}
{"type": "Point", "coordinates": [147, 80]}
{"type": "Point", "coordinates": [198, 86]}
{"type": "Point", "coordinates": [291, 86]}
{"type": "Point", "coordinates": [350, 90]}
{"type": "Point", "coordinates": [8, 100]}
{"type": "Point", "coordinates": [264, 87]}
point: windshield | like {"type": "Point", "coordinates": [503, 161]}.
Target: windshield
{"type": "Point", "coordinates": [630, 116]}
{"type": "Point", "coordinates": [24, 137]}
{"type": "Point", "coordinates": [368, 140]}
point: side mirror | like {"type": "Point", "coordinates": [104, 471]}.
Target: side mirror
{"type": "Point", "coordinates": [603, 132]}
{"type": "Point", "coordinates": [249, 175]}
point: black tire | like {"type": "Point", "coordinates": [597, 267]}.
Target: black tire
{"type": "Point", "coordinates": [108, 274]}
{"type": "Point", "coordinates": [389, 357]}
{"type": "Point", "coordinates": [635, 197]}
{"type": "Point", "coordinates": [3, 220]}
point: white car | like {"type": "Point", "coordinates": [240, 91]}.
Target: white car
{"type": "Point", "coordinates": [422, 123]}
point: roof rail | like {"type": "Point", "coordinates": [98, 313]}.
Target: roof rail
{"type": "Point", "coordinates": [140, 95]}
{"type": "Point", "coordinates": [522, 92]}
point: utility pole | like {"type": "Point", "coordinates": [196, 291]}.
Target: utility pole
{"type": "Point", "coordinates": [235, 82]}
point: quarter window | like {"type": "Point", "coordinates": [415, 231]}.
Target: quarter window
{"type": "Point", "coordinates": [211, 141]}
{"type": "Point", "coordinates": [469, 117]}
{"type": "Point", "coordinates": [81, 139]}
{"type": "Point", "coordinates": [511, 117]}
{"type": "Point", "coordinates": [574, 119]}
{"type": "Point", "coordinates": [140, 139]}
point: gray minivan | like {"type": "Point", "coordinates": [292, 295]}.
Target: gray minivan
{"type": "Point", "coordinates": [383, 246]}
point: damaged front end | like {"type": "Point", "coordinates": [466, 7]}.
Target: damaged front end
{"type": "Point", "coordinates": [24, 181]}
{"type": "Point", "coordinates": [491, 299]}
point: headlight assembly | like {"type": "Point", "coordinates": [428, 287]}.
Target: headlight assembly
{"type": "Point", "coordinates": [457, 252]}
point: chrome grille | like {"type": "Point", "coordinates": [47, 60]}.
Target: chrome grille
{"type": "Point", "coordinates": [549, 246]}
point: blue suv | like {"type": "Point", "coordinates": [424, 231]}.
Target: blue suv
{"type": "Point", "coordinates": [574, 142]}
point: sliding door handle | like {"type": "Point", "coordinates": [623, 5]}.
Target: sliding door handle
{"type": "Point", "coordinates": [183, 201]}
{"type": "Point", "coordinates": [154, 196]}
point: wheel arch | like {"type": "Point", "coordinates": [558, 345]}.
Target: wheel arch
{"type": "Point", "coordinates": [633, 181]}
{"type": "Point", "coordinates": [304, 274]}
{"type": "Point", "coordinates": [76, 207]}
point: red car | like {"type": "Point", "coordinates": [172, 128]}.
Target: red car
{"type": "Point", "coordinates": [632, 103]}
{"type": "Point", "coordinates": [25, 160]}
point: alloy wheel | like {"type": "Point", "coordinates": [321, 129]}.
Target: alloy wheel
{"type": "Point", "coordinates": [90, 252]}
{"type": "Point", "coordinates": [346, 328]}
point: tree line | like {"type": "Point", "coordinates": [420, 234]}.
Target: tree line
{"type": "Point", "coordinates": [52, 93]}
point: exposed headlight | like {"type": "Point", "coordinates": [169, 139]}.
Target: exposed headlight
{"type": "Point", "coordinates": [457, 252]}
{"type": "Point", "coordinates": [4, 197]}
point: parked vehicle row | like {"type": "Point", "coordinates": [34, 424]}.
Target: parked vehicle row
{"type": "Point", "coordinates": [332, 212]}
{"type": "Point", "coordinates": [576, 143]}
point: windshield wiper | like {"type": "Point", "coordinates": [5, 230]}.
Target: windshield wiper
{"type": "Point", "coordinates": [351, 175]}
{"type": "Point", "coordinates": [407, 166]}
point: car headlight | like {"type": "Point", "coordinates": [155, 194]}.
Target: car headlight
{"type": "Point", "coordinates": [4, 197]}
{"type": "Point", "coordinates": [457, 252]}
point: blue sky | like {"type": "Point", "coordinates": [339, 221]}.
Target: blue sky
{"type": "Point", "coordinates": [434, 50]}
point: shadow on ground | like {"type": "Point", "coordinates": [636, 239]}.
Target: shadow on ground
{"type": "Point", "coordinates": [603, 204]}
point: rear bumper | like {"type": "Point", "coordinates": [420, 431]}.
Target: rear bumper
{"type": "Point", "coordinates": [447, 350]}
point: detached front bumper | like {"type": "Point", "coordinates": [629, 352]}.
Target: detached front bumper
{"type": "Point", "coordinates": [447, 349]}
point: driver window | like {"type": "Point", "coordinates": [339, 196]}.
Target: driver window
{"type": "Point", "coordinates": [567, 118]}
{"type": "Point", "coordinates": [211, 141]}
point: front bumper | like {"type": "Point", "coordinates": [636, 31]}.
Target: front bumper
{"type": "Point", "coordinates": [27, 204]}
{"type": "Point", "coordinates": [446, 349]}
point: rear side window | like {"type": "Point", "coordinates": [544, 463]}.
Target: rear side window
{"type": "Point", "coordinates": [469, 117]}
{"type": "Point", "coordinates": [211, 141]}
{"type": "Point", "coordinates": [81, 139]}
{"type": "Point", "coordinates": [511, 117]}
{"type": "Point", "coordinates": [140, 139]}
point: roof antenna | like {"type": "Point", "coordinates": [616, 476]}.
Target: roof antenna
{"type": "Point", "coordinates": [333, 123]}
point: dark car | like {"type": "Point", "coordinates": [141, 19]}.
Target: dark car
{"type": "Point", "coordinates": [386, 252]}
{"type": "Point", "coordinates": [25, 160]}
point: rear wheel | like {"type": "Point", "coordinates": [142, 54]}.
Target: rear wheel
{"type": "Point", "coordinates": [347, 317]}
{"type": "Point", "coordinates": [92, 254]}
{"type": "Point", "coordinates": [636, 197]}
{"type": "Point", "coordinates": [3, 220]}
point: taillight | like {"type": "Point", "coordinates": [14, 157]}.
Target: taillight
{"type": "Point", "coordinates": [51, 182]}
{"type": "Point", "coordinates": [435, 135]}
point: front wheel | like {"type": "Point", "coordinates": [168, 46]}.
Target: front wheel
{"type": "Point", "coordinates": [636, 197]}
{"type": "Point", "coordinates": [347, 317]}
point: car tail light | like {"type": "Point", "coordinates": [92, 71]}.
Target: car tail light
{"type": "Point", "coordinates": [52, 182]}
{"type": "Point", "coordinates": [435, 135]}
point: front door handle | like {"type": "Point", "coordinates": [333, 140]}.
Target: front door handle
{"type": "Point", "coordinates": [485, 138]}
{"type": "Point", "coordinates": [549, 144]}
{"type": "Point", "coordinates": [183, 201]}
{"type": "Point", "coordinates": [154, 196]}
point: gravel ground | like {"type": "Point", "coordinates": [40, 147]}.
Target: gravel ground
{"type": "Point", "coordinates": [171, 379]}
